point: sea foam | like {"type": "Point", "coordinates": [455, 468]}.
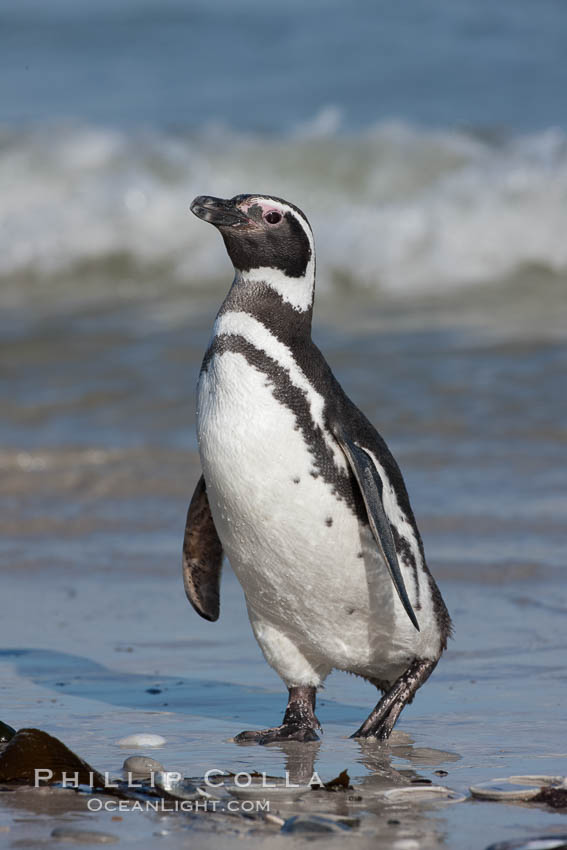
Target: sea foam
{"type": "Point", "coordinates": [395, 208]}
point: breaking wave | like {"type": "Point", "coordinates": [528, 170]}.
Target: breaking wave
{"type": "Point", "coordinates": [395, 208]}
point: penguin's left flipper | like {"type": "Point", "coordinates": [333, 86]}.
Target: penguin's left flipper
{"type": "Point", "coordinates": [371, 487]}
{"type": "Point", "coordinates": [202, 556]}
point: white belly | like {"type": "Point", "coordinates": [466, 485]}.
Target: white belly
{"type": "Point", "coordinates": [314, 602]}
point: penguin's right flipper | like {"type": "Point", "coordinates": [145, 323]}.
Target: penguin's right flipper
{"type": "Point", "coordinates": [202, 556]}
{"type": "Point", "coordinates": [371, 487]}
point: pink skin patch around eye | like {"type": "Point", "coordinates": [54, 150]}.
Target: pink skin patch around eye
{"type": "Point", "coordinates": [265, 207]}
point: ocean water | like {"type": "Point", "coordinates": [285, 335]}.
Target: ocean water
{"type": "Point", "coordinates": [395, 209]}
{"type": "Point", "coordinates": [268, 66]}
{"type": "Point", "coordinates": [427, 143]}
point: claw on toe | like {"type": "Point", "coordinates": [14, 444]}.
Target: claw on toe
{"type": "Point", "coordinates": [380, 733]}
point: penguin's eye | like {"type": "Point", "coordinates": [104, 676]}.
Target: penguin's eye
{"type": "Point", "coordinates": [273, 217]}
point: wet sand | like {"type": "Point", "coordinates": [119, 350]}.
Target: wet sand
{"type": "Point", "coordinates": [98, 462]}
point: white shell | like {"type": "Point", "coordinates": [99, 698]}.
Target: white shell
{"type": "Point", "coordinates": [506, 789]}
{"type": "Point", "coordinates": [142, 739]}
{"type": "Point", "coordinates": [540, 779]}
{"type": "Point", "coordinates": [256, 791]}
{"type": "Point", "coordinates": [422, 793]}
{"type": "Point", "coordinates": [544, 842]}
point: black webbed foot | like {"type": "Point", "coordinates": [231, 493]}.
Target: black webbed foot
{"type": "Point", "coordinates": [285, 732]}
{"type": "Point", "coordinates": [299, 723]}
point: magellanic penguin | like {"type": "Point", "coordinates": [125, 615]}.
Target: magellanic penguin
{"type": "Point", "coordinates": [300, 491]}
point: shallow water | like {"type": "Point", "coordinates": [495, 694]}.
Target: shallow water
{"type": "Point", "coordinates": [98, 463]}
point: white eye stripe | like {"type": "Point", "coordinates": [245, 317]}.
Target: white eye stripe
{"type": "Point", "coordinates": [297, 291]}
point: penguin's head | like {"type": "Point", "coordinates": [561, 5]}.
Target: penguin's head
{"type": "Point", "coordinates": [266, 238]}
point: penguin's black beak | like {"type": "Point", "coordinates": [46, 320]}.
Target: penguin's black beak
{"type": "Point", "coordinates": [217, 211]}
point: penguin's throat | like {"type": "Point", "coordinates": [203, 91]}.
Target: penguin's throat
{"type": "Point", "coordinates": [298, 292]}
{"type": "Point", "coordinates": [264, 303]}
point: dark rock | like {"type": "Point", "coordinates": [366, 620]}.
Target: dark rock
{"type": "Point", "coordinates": [31, 749]}
{"type": "Point", "coordinates": [554, 797]}
{"type": "Point", "coordinates": [6, 732]}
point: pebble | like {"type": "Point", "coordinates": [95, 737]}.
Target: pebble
{"type": "Point", "coordinates": [142, 739]}
{"type": "Point", "coordinates": [542, 842]}
{"type": "Point", "coordinates": [6, 733]}
{"type": "Point", "coordinates": [142, 766]}
{"type": "Point", "coordinates": [83, 836]}
{"type": "Point", "coordinates": [507, 789]}
{"type": "Point", "coordinates": [258, 791]}
{"type": "Point", "coordinates": [312, 823]}
{"type": "Point", "coordinates": [422, 793]}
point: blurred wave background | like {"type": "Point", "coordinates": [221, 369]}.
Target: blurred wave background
{"type": "Point", "coordinates": [426, 141]}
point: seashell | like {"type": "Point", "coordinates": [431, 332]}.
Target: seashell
{"type": "Point", "coordinates": [313, 824]}
{"type": "Point", "coordinates": [507, 788]}
{"type": "Point", "coordinates": [422, 794]}
{"type": "Point", "coordinates": [542, 842]}
{"type": "Point", "coordinates": [142, 739]}
{"type": "Point", "coordinates": [539, 779]}
{"type": "Point", "coordinates": [257, 791]}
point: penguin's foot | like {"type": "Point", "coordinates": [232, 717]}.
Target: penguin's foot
{"type": "Point", "coordinates": [285, 732]}
{"type": "Point", "coordinates": [382, 719]}
{"type": "Point", "coordinates": [299, 723]}
{"type": "Point", "coordinates": [381, 731]}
